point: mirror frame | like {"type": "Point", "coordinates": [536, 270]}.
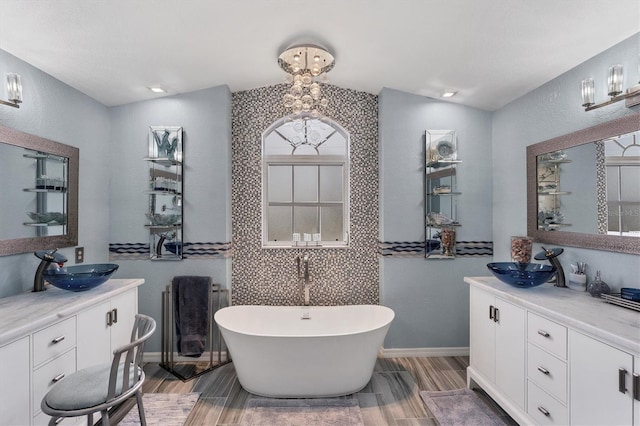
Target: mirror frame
{"type": "Point", "coordinates": [24, 245]}
{"type": "Point", "coordinates": [617, 243]}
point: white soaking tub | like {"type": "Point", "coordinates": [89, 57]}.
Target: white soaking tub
{"type": "Point", "coordinates": [304, 352]}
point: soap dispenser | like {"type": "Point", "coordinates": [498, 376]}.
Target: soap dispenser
{"type": "Point", "coordinates": [598, 287]}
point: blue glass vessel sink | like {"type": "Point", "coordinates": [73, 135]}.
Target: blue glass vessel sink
{"type": "Point", "coordinates": [522, 274]}
{"type": "Point", "coordinates": [80, 277]}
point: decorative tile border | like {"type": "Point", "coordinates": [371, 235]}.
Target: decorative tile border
{"type": "Point", "coordinates": [396, 249]}
{"type": "Point", "coordinates": [269, 276]}
{"type": "Point", "coordinates": [140, 251]}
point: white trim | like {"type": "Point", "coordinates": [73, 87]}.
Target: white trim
{"type": "Point", "coordinates": [423, 352]}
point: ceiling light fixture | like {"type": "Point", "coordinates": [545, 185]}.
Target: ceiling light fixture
{"type": "Point", "coordinates": [448, 94]}
{"type": "Point", "coordinates": [157, 89]}
{"type": "Point", "coordinates": [306, 64]}
{"type": "Point", "coordinates": [615, 89]}
{"type": "Point", "coordinates": [14, 91]}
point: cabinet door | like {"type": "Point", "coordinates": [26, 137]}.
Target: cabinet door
{"type": "Point", "coordinates": [636, 402]}
{"type": "Point", "coordinates": [14, 383]}
{"type": "Point", "coordinates": [482, 333]}
{"type": "Point", "coordinates": [510, 349]}
{"type": "Point", "coordinates": [94, 344]}
{"type": "Point", "coordinates": [594, 395]}
{"type": "Point", "coordinates": [124, 308]}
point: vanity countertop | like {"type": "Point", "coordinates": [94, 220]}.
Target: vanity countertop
{"type": "Point", "coordinates": [23, 313]}
{"type": "Point", "coordinates": [609, 323]}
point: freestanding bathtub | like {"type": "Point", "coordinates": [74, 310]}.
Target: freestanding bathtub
{"type": "Point", "coordinates": [304, 352]}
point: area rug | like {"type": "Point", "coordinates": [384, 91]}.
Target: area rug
{"type": "Point", "coordinates": [306, 412]}
{"type": "Point", "coordinates": [460, 407]}
{"type": "Point", "coordinates": [163, 409]}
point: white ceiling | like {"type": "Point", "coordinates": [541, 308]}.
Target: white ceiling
{"type": "Point", "coordinates": [490, 51]}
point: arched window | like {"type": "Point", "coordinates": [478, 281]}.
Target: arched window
{"type": "Point", "coordinates": [305, 183]}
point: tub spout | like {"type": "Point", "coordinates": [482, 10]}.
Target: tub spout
{"type": "Point", "coordinates": [304, 276]}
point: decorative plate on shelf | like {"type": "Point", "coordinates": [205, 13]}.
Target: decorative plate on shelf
{"type": "Point", "coordinates": [446, 150]}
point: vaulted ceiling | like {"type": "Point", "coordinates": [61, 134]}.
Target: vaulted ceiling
{"type": "Point", "coordinates": [489, 51]}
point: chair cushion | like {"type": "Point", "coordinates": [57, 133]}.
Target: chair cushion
{"type": "Point", "coordinates": [85, 388]}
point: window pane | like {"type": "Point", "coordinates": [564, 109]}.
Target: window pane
{"type": "Point", "coordinates": [305, 184]}
{"type": "Point", "coordinates": [279, 184]}
{"type": "Point", "coordinates": [305, 220]}
{"type": "Point", "coordinates": [331, 220]}
{"type": "Point", "coordinates": [330, 183]}
{"type": "Point", "coordinates": [630, 187]}
{"type": "Point", "coordinates": [279, 223]}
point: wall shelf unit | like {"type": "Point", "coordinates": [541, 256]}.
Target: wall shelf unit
{"type": "Point", "coordinates": [165, 192]}
{"type": "Point", "coordinates": [441, 193]}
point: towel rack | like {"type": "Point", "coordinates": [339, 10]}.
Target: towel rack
{"type": "Point", "coordinates": [188, 368]}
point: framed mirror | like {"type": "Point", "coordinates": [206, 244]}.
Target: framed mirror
{"type": "Point", "coordinates": [583, 188]}
{"type": "Point", "coordinates": [39, 194]}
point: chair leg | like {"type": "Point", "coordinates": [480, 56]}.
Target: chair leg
{"type": "Point", "coordinates": [143, 420]}
{"type": "Point", "coordinates": [90, 419]}
{"type": "Point", "coordinates": [105, 418]}
{"type": "Point", "coordinates": [53, 421]}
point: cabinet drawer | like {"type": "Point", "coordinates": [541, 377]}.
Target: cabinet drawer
{"type": "Point", "coordinates": [548, 372]}
{"type": "Point", "coordinates": [54, 340]}
{"type": "Point", "coordinates": [543, 408]}
{"type": "Point", "coordinates": [547, 334]}
{"type": "Point", "coordinates": [43, 377]}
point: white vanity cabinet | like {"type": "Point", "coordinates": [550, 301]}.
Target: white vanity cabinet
{"type": "Point", "coordinates": [579, 360]}
{"type": "Point", "coordinates": [601, 383]}
{"type": "Point", "coordinates": [105, 327]}
{"type": "Point", "coordinates": [46, 336]}
{"type": "Point", "coordinates": [498, 343]}
{"type": "Point", "coordinates": [14, 389]}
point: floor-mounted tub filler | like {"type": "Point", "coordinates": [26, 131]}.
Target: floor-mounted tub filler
{"type": "Point", "coordinates": [304, 352]}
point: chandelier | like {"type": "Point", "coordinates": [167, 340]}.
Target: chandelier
{"type": "Point", "coordinates": [306, 64]}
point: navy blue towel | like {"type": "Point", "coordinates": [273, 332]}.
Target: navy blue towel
{"type": "Point", "coordinates": [191, 312]}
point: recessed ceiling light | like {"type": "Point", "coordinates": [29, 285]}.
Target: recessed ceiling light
{"type": "Point", "coordinates": [157, 89]}
{"type": "Point", "coordinates": [448, 94]}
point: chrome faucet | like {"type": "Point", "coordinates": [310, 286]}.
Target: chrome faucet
{"type": "Point", "coordinates": [552, 256]}
{"type": "Point", "coordinates": [304, 276]}
{"type": "Point", "coordinates": [47, 257]}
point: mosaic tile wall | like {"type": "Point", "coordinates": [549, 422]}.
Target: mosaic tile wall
{"type": "Point", "coordinates": [269, 276]}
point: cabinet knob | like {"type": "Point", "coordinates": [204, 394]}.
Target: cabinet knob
{"type": "Point", "coordinates": [57, 339]}
{"type": "Point", "coordinates": [543, 333]}
{"type": "Point", "coordinates": [544, 411]}
{"type": "Point", "coordinates": [543, 370]}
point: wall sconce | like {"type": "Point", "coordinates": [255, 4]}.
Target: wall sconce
{"type": "Point", "coordinates": [614, 89]}
{"type": "Point", "coordinates": [14, 91]}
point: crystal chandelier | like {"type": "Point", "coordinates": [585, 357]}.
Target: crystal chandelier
{"type": "Point", "coordinates": [306, 64]}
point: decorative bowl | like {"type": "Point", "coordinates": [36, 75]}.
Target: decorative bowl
{"type": "Point", "coordinates": [80, 277]}
{"type": "Point", "coordinates": [522, 274]}
{"type": "Point", "coordinates": [163, 219]}
{"type": "Point", "coordinates": [48, 217]}
{"type": "Point", "coordinates": [174, 247]}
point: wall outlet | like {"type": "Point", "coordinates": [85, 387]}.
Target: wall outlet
{"type": "Point", "coordinates": [79, 254]}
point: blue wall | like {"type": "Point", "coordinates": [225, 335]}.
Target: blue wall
{"type": "Point", "coordinates": [53, 110]}
{"type": "Point", "coordinates": [429, 297]}
{"type": "Point", "coordinates": [205, 116]}
{"type": "Point", "coordinates": [549, 111]}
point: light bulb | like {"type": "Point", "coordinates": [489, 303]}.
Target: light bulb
{"type": "Point", "coordinates": [306, 79]}
{"type": "Point", "coordinates": [288, 99]}
{"type": "Point", "coordinates": [14, 88]}
{"type": "Point", "coordinates": [315, 91]}
{"type": "Point", "coordinates": [296, 91]}
{"type": "Point", "coordinates": [588, 92]}
{"type": "Point", "coordinates": [615, 79]}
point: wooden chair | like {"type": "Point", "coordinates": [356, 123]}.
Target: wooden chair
{"type": "Point", "coordinates": [98, 388]}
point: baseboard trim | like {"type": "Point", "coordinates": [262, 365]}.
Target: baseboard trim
{"type": "Point", "coordinates": [423, 352]}
{"type": "Point", "coordinates": [157, 357]}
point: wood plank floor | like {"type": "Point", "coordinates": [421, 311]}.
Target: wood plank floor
{"type": "Point", "coordinates": [391, 397]}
